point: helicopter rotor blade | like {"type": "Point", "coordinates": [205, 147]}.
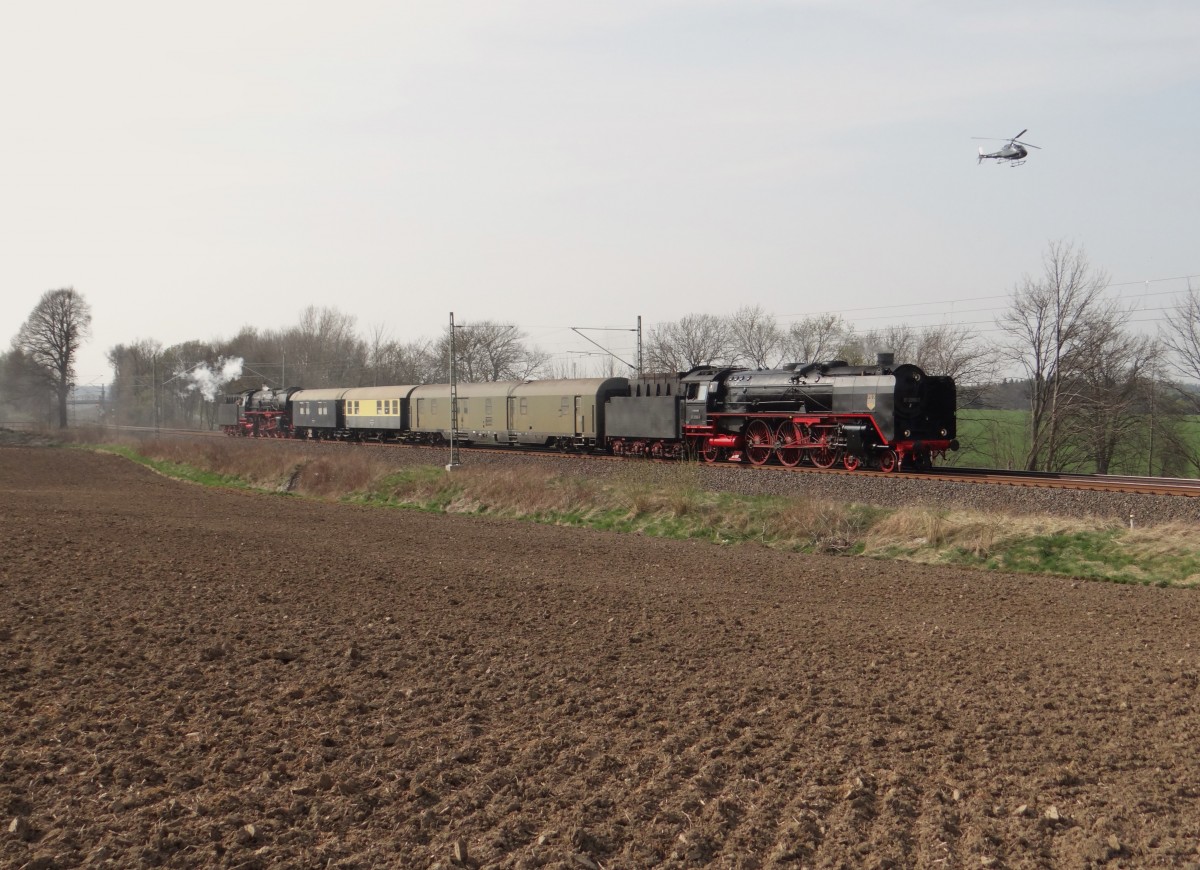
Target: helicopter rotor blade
{"type": "Point", "coordinates": [1019, 135]}
{"type": "Point", "coordinates": [1027, 145]}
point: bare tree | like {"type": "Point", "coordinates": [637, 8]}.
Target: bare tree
{"type": "Point", "coordinates": [323, 350]}
{"type": "Point", "coordinates": [23, 387]}
{"type": "Point", "coordinates": [263, 356]}
{"type": "Point", "coordinates": [377, 341]}
{"type": "Point", "coordinates": [1047, 326]}
{"type": "Point", "coordinates": [51, 339]}
{"type": "Point", "coordinates": [392, 362]}
{"type": "Point", "coordinates": [900, 340]}
{"type": "Point", "coordinates": [133, 395]}
{"type": "Point", "coordinates": [1111, 387]}
{"type": "Point", "coordinates": [489, 351]}
{"type": "Point", "coordinates": [1167, 443]}
{"type": "Point", "coordinates": [855, 348]}
{"type": "Point", "coordinates": [1181, 336]}
{"type": "Point", "coordinates": [183, 400]}
{"type": "Point", "coordinates": [755, 337]}
{"type": "Point", "coordinates": [815, 339]}
{"type": "Point", "coordinates": [957, 351]}
{"type": "Point", "coordinates": [942, 349]}
{"type": "Point", "coordinates": [694, 340]}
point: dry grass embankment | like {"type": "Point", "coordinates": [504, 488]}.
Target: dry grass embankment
{"type": "Point", "coordinates": [1165, 555]}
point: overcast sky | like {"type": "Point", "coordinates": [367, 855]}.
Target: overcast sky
{"type": "Point", "coordinates": [192, 168]}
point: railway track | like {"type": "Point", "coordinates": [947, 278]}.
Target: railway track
{"type": "Point", "coordinates": [1180, 487]}
{"type": "Point", "coordinates": [1177, 486]}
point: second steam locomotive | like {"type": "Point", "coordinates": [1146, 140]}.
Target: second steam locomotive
{"type": "Point", "coordinates": [884, 416]}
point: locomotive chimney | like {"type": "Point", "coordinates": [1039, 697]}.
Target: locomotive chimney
{"type": "Point", "coordinates": [885, 360]}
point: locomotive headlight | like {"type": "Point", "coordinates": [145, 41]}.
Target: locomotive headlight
{"type": "Point", "coordinates": [943, 433]}
{"type": "Point", "coordinates": [908, 433]}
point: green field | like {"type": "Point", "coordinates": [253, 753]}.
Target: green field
{"type": "Point", "coordinates": [1000, 439]}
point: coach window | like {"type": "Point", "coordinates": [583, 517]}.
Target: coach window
{"type": "Point", "coordinates": [524, 406]}
{"type": "Point", "coordinates": [564, 407]}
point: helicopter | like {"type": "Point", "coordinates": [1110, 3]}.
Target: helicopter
{"type": "Point", "coordinates": [1014, 151]}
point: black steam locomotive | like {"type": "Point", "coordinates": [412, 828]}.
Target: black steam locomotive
{"type": "Point", "coordinates": [822, 414]}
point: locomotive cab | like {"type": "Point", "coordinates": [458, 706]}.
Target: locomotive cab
{"type": "Point", "coordinates": [703, 390]}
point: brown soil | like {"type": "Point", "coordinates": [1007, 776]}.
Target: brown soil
{"type": "Point", "coordinates": [193, 677]}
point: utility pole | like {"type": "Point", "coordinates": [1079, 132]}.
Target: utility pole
{"type": "Point", "coordinates": [453, 401]}
{"type": "Point", "coordinates": [1150, 458]}
{"type": "Point", "coordinates": [154, 385]}
{"type": "Point", "coordinates": [639, 331]}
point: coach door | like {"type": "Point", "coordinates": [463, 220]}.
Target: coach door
{"type": "Point", "coordinates": [580, 417]}
{"type": "Point", "coordinates": [516, 423]}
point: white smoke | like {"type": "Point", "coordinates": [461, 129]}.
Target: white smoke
{"type": "Point", "coordinates": [208, 381]}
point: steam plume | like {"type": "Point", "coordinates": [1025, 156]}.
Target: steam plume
{"type": "Point", "coordinates": [208, 381]}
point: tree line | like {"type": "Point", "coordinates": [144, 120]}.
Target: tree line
{"type": "Point", "coordinates": [1094, 390]}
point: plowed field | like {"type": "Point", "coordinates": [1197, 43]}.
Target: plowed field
{"type": "Point", "coordinates": [193, 677]}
